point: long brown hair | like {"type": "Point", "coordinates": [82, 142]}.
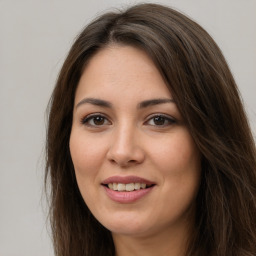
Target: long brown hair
{"type": "Point", "coordinates": [208, 99]}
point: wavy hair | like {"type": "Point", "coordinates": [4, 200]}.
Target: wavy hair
{"type": "Point", "coordinates": [207, 97]}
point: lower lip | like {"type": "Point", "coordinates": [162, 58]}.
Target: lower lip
{"type": "Point", "coordinates": [127, 197]}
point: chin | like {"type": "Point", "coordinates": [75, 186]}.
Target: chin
{"type": "Point", "coordinates": [126, 226]}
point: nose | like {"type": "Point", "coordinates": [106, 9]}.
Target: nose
{"type": "Point", "coordinates": [125, 147]}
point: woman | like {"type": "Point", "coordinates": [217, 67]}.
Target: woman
{"type": "Point", "coordinates": [149, 151]}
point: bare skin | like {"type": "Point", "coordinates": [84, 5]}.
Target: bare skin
{"type": "Point", "coordinates": [126, 128]}
{"type": "Point", "coordinates": [169, 243]}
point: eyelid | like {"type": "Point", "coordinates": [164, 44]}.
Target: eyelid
{"type": "Point", "coordinates": [169, 118]}
{"type": "Point", "coordinates": [84, 120]}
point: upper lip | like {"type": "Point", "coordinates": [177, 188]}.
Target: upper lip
{"type": "Point", "coordinates": [127, 180]}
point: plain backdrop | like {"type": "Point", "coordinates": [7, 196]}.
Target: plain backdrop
{"type": "Point", "coordinates": [35, 36]}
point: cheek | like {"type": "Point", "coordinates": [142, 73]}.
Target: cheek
{"type": "Point", "coordinates": [179, 162]}
{"type": "Point", "coordinates": [86, 157]}
{"type": "Point", "coordinates": [86, 154]}
{"type": "Point", "coordinates": [176, 154]}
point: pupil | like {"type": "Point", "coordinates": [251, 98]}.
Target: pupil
{"type": "Point", "coordinates": [98, 120]}
{"type": "Point", "coordinates": [159, 120]}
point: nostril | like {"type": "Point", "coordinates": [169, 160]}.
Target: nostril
{"type": "Point", "coordinates": [132, 161]}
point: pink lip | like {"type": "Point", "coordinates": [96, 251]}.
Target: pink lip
{"type": "Point", "coordinates": [127, 180]}
{"type": "Point", "coordinates": [127, 197]}
{"type": "Point", "coordinates": [124, 196]}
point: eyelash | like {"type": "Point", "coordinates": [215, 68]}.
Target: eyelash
{"type": "Point", "coordinates": [170, 121]}
{"type": "Point", "coordinates": [92, 117]}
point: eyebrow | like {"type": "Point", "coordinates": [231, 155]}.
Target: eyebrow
{"type": "Point", "coordinates": [152, 102]}
{"type": "Point", "coordinates": [97, 102]}
{"type": "Point", "coordinates": [107, 104]}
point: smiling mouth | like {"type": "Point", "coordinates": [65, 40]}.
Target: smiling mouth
{"type": "Point", "coordinates": [127, 187]}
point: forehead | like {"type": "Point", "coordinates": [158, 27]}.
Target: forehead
{"type": "Point", "coordinates": [121, 71]}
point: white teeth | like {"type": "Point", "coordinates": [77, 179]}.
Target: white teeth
{"type": "Point", "coordinates": [137, 186]}
{"type": "Point", "coordinates": [143, 185]}
{"type": "Point", "coordinates": [126, 187]}
{"type": "Point", "coordinates": [120, 187]}
{"type": "Point", "coordinates": [114, 186]}
{"type": "Point", "coordinates": [129, 187]}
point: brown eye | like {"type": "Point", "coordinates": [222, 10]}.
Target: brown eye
{"type": "Point", "coordinates": [95, 120]}
{"type": "Point", "coordinates": [98, 120]}
{"type": "Point", "coordinates": [160, 120]}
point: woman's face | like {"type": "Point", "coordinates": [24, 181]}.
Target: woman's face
{"type": "Point", "coordinates": [136, 164]}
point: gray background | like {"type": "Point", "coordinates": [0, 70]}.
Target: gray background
{"type": "Point", "coordinates": [34, 39]}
